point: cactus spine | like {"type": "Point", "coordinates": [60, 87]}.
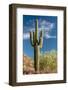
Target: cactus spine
{"type": "Point", "coordinates": [36, 42]}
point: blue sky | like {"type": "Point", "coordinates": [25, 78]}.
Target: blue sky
{"type": "Point", "coordinates": [47, 24]}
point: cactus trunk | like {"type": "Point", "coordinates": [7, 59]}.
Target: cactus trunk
{"type": "Point", "coordinates": [36, 58]}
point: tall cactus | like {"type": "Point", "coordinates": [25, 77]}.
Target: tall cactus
{"type": "Point", "coordinates": [36, 42]}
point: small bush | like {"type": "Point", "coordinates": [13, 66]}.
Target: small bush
{"type": "Point", "coordinates": [48, 62]}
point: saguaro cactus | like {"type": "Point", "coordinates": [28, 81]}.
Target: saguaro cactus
{"type": "Point", "coordinates": [37, 42]}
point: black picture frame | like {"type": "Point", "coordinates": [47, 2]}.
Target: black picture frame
{"type": "Point", "coordinates": [13, 40]}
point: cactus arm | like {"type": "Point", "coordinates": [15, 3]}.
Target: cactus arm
{"type": "Point", "coordinates": [40, 40]}
{"type": "Point", "coordinates": [34, 38]}
{"type": "Point", "coordinates": [31, 38]}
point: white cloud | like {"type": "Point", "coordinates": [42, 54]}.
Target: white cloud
{"type": "Point", "coordinates": [47, 36]}
{"type": "Point", "coordinates": [44, 25]}
{"type": "Point", "coordinates": [26, 36]}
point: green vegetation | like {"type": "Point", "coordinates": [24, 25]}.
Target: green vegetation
{"type": "Point", "coordinates": [47, 63]}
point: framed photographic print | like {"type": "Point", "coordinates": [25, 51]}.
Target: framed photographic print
{"type": "Point", "coordinates": [37, 44]}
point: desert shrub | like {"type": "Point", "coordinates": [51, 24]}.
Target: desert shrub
{"type": "Point", "coordinates": [48, 62]}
